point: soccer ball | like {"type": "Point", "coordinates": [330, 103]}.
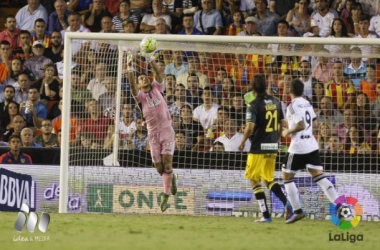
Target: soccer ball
{"type": "Point", "coordinates": [148, 45]}
{"type": "Point", "coordinates": [346, 212]}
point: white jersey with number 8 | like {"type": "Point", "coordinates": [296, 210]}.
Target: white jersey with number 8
{"type": "Point", "coordinates": [303, 142]}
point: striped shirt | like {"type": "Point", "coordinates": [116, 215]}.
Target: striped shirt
{"type": "Point", "coordinates": [118, 22]}
{"type": "Point", "coordinates": [340, 92]}
{"type": "Point", "coordinates": [233, 30]}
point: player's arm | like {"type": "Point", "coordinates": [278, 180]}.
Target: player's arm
{"type": "Point", "coordinates": [158, 75]}
{"type": "Point", "coordinates": [283, 124]}
{"type": "Point", "coordinates": [298, 127]}
{"type": "Point", "coordinates": [131, 75]}
{"type": "Point", "coordinates": [249, 126]}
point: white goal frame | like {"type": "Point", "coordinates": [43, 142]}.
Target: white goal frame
{"type": "Point", "coordinates": [69, 36]}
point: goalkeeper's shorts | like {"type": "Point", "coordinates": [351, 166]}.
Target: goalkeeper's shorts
{"type": "Point", "coordinates": [161, 143]}
{"type": "Point", "coordinates": [260, 167]}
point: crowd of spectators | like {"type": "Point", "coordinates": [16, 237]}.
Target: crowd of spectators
{"type": "Point", "coordinates": [204, 91]}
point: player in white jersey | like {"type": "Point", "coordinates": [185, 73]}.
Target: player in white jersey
{"type": "Point", "coordinates": [303, 151]}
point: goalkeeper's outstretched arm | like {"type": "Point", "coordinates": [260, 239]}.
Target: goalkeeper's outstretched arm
{"type": "Point", "coordinates": [131, 75]}
{"type": "Point", "coordinates": [157, 71]}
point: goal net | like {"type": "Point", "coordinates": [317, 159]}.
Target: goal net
{"type": "Point", "coordinates": [207, 88]}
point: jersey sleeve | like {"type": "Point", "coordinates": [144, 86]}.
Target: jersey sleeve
{"type": "Point", "coordinates": [251, 115]}
{"type": "Point", "coordinates": [139, 97]}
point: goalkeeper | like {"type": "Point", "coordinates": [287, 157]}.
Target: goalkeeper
{"type": "Point", "coordinates": [161, 136]}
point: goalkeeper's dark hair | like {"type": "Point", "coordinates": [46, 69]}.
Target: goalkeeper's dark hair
{"type": "Point", "coordinates": [259, 84]}
{"type": "Point", "coordinates": [297, 87]}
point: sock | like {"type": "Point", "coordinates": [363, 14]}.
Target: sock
{"type": "Point", "coordinates": [167, 180]}
{"type": "Point", "coordinates": [276, 189]}
{"type": "Point", "coordinates": [260, 197]}
{"type": "Point", "coordinates": [327, 187]}
{"type": "Point", "coordinates": [293, 195]}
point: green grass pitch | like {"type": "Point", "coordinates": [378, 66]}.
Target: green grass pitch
{"type": "Point", "coordinates": [134, 232]}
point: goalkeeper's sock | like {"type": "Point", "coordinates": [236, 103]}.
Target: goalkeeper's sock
{"type": "Point", "coordinates": [293, 195]}
{"type": "Point", "coordinates": [327, 187]}
{"type": "Point", "coordinates": [261, 199]}
{"type": "Point", "coordinates": [167, 179]}
{"type": "Point", "coordinates": [276, 189]}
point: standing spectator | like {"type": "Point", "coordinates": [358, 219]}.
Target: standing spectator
{"type": "Point", "coordinates": [28, 14]}
{"type": "Point", "coordinates": [11, 33]}
{"type": "Point", "coordinates": [24, 51]}
{"type": "Point", "coordinates": [36, 63]}
{"type": "Point", "coordinates": [375, 23]}
{"type": "Point", "coordinates": [33, 110]}
{"type": "Point", "coordinates": [14, 156]}
{"type": "Point", "coordinates": [54, 53]}
{"type": "Point", "coordinates": [208, 20]}
{"type": "Point", "coordinates": [148, 23]}
{"type": "Point", "coordinates": [322, 19]}
{"type": "Point", "coordinates": [123, 15]}
{"type": "Point", "coordinates": [27, 138]}
{"type": "Point", "coordinates": [93, 18]}
{"type": "Point", "coordinates": [267, 21]}
{"type": "Point", "coordinates": [341, 91]}
{"type": "Point", "coordinates": [188, 26]}
{"type": "Point", "coordinates": [47, 139]}
{"type": "Point", "coordinates": [58, 19]}
{"type": "Point", "coordinates": [206, 113]}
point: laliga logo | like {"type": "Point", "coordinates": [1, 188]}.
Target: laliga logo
{"type": "Point", "coordinates": [31, 222]}
{"type": "Point", "coordinates": [346, 212]}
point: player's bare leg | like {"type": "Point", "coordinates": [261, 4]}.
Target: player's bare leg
{"type": "Point", "coordinates": [261, 199]}
{"type": "Point", "coordinates": [169, 180]}
{"type": "Point", "coordinates": [293, 197]}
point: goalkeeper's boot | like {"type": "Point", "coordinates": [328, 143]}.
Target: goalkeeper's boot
{"type": "Point", "coordinates": [164, 202]}
{"type": "Point", "coordinates": [264, 220]}
{"type": "Point", "coordinates": [288, 210]}
{"type": "Point", "coordinates": [173, 190]}
{"type": "Point", "coordinates": [295, 217]}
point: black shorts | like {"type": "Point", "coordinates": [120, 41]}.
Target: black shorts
{"type": "Point", "coordinates": [295, 162]}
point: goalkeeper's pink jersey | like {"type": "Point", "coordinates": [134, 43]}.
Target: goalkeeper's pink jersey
{"type": "Point", "coordinates": [154, 108]}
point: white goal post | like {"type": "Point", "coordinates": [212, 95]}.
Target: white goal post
{"type": "Point", "coordinates": [225, 44]}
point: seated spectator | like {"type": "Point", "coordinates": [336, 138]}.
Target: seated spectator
{"type": "Point", "coordinates": [112, 6]}
{"type": "Point", "coordinates": [139, 139]}
{"type": "Point", "coordinates": [375, 104]}
{"type": "Point", "coordinates": [193, 68]}
{"type": "Point", "coordinates": [24, 51]}
{"type": "Point", "coordinates": [368, 84]}
{"type": "Point", "coordinates": [75, 25]}
{"type": "Point", "coordinates": [334, 145]}
{"type": "Point", "coordinates": [108, 99]}
{"type": "Point", "coordinates": [190, 6]}
{"type": "Point", "coordinates": [80, 6]}
{"type": "Point", "coordinates": [322, 19]}
{"type": "Point", "coordinates": [364, 33]}
{"type": "Point", "coordinates": [218, 147]}
{"type": "Point", "coordinates": [306, 78]}
{"type": "Point", "coordinates": [97, 85]}
{"type": "Point", "coordinates": [228, 90]}
{"type": "Point", "coordinates": [206, 113]}
{"type": "Point", "coordinates": [188, 26]}
{"type": "Point", "coordinates": [127, 125]}
{"type": "Point", "coordinates": [28, 14]}
{"type": "Point", "coordinates": [178, 66]}
{"type": "Point", "coordinates": [27, 138]}
{"type": "Point", "coordinates": [18, 124]}
{"type": "Point", "coordinates": [193, 130]}
{"type": "Point", "coordinates": [96, 124]}
{"type": "Point", "coordinates": [208, 20]}
{"type": "Point", "coordinates": [365, 118]}
{"type": "Point", "coordinates": [36, 63]}
{"type": "Point", "coordinates": [216, 84]}
{"type": "Point", "coordinates": [129, 26]}
{"type": "Point", "coordinates": [123, 16]}
{"type": "Point", "coordinates": [357, 143]}
{"type": "Point", "coordinates": [148, 22]}
{"type": "Point", "coordinates": [170, 84]}
{"type": "Point", "coordinates": [324, 134]}
{"type": "Point", "coordinates": [173, 8]}
{"type": "Point", "coordinates": [195, 93]}
{"type": "Point", "coordinates": [48, 86]}
{"type": "Point", "coordinates": [47, 139]}
{"type": "Point", "coordinates": [9, 94]}
{"type": "Point", "coordinates": [299, 18]}
{"type": "Point", "coordinates": [106, 25]}
{"type": "Point", "coordinates": [180, 100]}
{"type": "Point", "coordinates": [14, 156]}
{"type": "Point", "coordinates": [318, 93]}
{"type": "Point", "coordinates": [33, 110]}
{"type": "Point", "coordinates": [375, 23]}
{"type": "Point", "coordinates": [267, 20]}
{"type": "Point", "coordinates": [110, 137]}
{"type": "Point", "coordinates": [237, 26]}
{"type": "Point", "coordinates": [342, 91]}
{"type": "Point", "coordinates": [327, 113]}
{"type": "Point", "coordinates": [55, 52]}
{"type": "Point", "coordinates": [241, 71]}
{"type": "Point", "coordinates": [238, 109]}
{"type": "Point", "coordinates": [15, 70]}
{"type": "Point", "coordinates": [86, 140]}
{"type": "Point", "coordinates": [58, 19]}
{"type": "Point", "coordinates": [11, 33]}
{"type": "Point", "coordinates": [323, 70]}
{"type": "Point", "coordinates": [217, 128]}
{"type": "Point", "coordinates": [282, 7]}
{"type": "Point", "coordinates": [92, 19]}
{"type": "Point", "coordinates": [180, 142]}
{"type": "Point", "coordinates": [74, 126]}
{"type": "Point", "coordinates": [161, 27]}
{"type": "Point", "coordinates": [356, 71]}
{"type": "Point", "coordinates": [40, 33]}
{"type": "Point", "coordinates": [5, 58]}
{"type": "Point", "coordinates": [251, 25]}
{"type": "Point", "coordinates": [6, 124]}
{"type": "Point", "coordinates": [231, 138]}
